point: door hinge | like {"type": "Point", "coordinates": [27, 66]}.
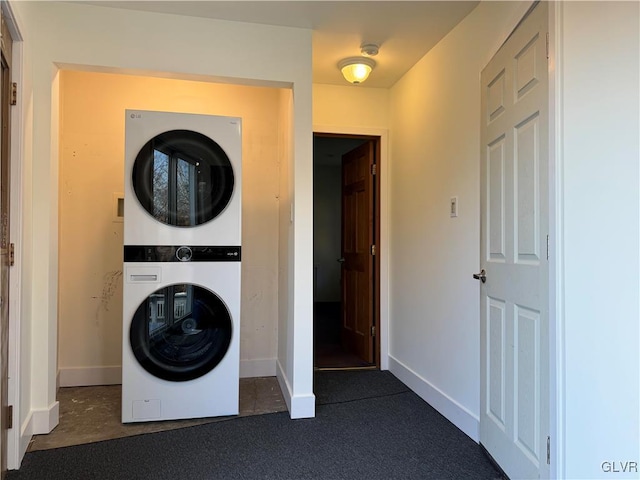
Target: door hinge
{"type": "Point", "coordinates": [373, 330]}
{"type": "Point", "coordinates": [547, 45]}
{"type": "Point", "coordinates": [374, 170]}
{"type": "Point", "coordinates": [14, 93]}
{"type": "Point", "coordinates": [548, 450]}
{"type": "Point", "coordinates": [547, 247]}
{"type": "Point", "coordinates": [9, 416]}
{"type": "Point", "coordinates": [12, 254]}
{"type": "Point", "coordinates": [373, 249]}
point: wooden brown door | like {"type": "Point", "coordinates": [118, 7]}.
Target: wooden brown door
{"type": "Point", "coordinates": [5, 245]}
{"type": "Point", "coordinates": [357, 255]}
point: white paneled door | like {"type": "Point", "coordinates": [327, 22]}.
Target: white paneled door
{"type": "Point", "coordinates": [514, 416]}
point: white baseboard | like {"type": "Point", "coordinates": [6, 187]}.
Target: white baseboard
{"type": "Point", "coordinates": [449, 408]}
{"type": "Point", "coordinates": [46, 419]}
{"type": "Point", "coordinates": [303, 406]}
{"type": "Point", "coordinates": [284, 384]}
{"type": "Point", "coordinates": [300, 406]}
{"type": "Point", "coordinates": [262, 367]}
{"type": "Point", "coordinates": [112, 375]}
{"type": "Point", "coordinates": [85, 376]}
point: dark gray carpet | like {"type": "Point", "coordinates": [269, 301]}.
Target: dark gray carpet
{"type": "Point", "coordinates": [350, 385]}
{"type": "Point", "coordinates": [355, 435]}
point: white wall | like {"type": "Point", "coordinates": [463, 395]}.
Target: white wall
{"type": "Point", "coordinates": [599, 227]}
{"type": "Point", "coordinates": [435, 151]}
{"type": "Point", "coordinates": [96, 38]}
{"type": "Point", "coordinates": [92, 171]}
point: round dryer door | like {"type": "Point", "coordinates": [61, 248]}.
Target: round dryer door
{"type": "Point", "coordinates": [181, 332]}
{"type": "Point", "coordinates": [183, 178]}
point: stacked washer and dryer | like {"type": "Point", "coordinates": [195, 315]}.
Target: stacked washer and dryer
{"type": "Point", "coordinates": [181, 276]}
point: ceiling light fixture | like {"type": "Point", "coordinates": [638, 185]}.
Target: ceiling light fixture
{"type": "Point", "coordinates": [356, 69]}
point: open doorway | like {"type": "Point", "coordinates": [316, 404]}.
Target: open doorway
{"type": "Point", "coordinates": [346, 235]}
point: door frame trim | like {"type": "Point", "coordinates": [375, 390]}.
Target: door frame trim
{"type": "Point", "coordinates": [19, 436]}
{"type": "Point", "coordinates": [382, 259]}
{"type": "Point", "coordinates": [556, 245]}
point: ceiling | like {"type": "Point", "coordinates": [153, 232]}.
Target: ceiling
{"type": "Point", "coordinates": [404, 30]}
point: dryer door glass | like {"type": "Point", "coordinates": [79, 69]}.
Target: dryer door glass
{"type": "Point", "coordinates": [183, 178]}
{"type": "Point", "coordinates": [181, 332]}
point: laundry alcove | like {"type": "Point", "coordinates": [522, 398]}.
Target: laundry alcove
{"type": "Point", "coordinates": [92, 109]}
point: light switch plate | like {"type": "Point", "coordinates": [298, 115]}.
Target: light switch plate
{"type": "Point", "coordinates": [453, 207]}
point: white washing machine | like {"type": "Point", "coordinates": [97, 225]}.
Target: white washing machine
{"type": "Point", "coordinates": [182, 241]}
{"type": "Point", "coordinates": [183, 179]}
{"type": "Point", "coordinates": [181, 332]}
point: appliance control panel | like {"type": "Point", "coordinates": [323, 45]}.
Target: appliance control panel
{"type": "Point", "coordinates": [181, 253]}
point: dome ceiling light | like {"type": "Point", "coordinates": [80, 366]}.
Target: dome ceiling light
{"type": "Point", "coordinates": [356, 69]}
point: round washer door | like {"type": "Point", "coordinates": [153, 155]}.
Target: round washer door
{"type": "Point", "coordinates": [180, 332]}
{"type": "Point", "coordinates": [183, 178]}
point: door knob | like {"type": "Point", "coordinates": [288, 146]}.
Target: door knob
{"type": "Point", "coordinates": [482, 276]}
{"type": "Point", "coordinates": [340, 260]}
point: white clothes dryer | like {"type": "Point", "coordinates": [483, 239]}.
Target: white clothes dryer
{"type": "Point", "coordinates": [182, 179]}
{"type": "Point", "coordinates": [181, 332]}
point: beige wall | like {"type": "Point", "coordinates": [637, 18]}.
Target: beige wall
{"type": "Point", "coordinates": [350, 106]}
{"type": "Point", "coordinates": [92, 172]}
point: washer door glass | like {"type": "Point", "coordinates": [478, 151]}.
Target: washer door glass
{"type": "Point", "coordinates": [183, 178]}
{"type": "Point", "coordinates": [181, 332]}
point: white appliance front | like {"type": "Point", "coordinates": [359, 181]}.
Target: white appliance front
{"type": "Point", "coordinates": [180, 340]}
{"type": "Point", "coordinates": [183, 177]}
